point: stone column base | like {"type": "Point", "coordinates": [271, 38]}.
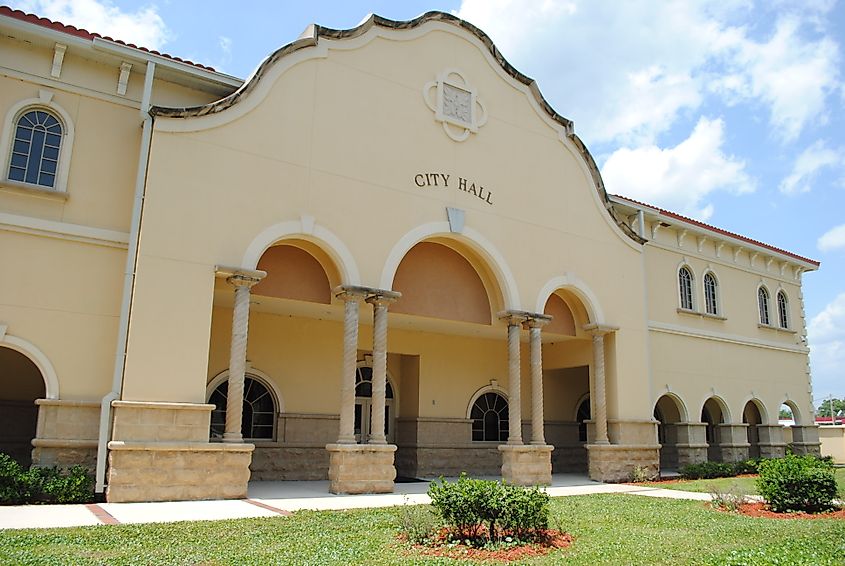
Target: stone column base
{"type": "Point", "coordinates": [691, 454]}
{"type": "Point", "coordinates": [804, 448]}
{"type": "Point", "coordinates": [67, 433]}
{"type": "Point", "coordinates": [526, 464]}
{"type": "Point", "coordinates": [361, 468]}
{"type": "Point", "coordinates": [177, 471]}
{"type": "Point", "coordinates": [733, 452]}
{"type": "Point", "coordinates": [772, 450]}
{"type": "Point", "coordinates": [616, 462]}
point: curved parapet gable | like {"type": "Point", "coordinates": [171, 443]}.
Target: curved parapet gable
{"type": "Point", "coordinates": [312, 37]}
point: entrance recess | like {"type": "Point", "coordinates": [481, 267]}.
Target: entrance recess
{"type": "Point", "coordinates": [364, 405]}
{"type": "Point", "coordinates": [21, 383]}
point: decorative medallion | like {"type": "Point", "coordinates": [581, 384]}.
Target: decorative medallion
{"type": "Point", "coordinates": [455, 104]}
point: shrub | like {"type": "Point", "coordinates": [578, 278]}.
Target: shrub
{"type": "Point", "coordinates": [640, 474]}
{"type": "Point", "coordinates": [729, 500]}
{"type": "Point", "coordinates": [707, 470]}
{"type": "Point", "coordinates": [43, 485]}
{"type": "Point", "coordinates": [474, 507]}
{"type": "Point", "coordinates": [12, 487]}
{"type": "Point", "coordinates": [417, 522]}
{"type": "Point", "coordinates": [746, 466]}
{"type": "Point", "coordinates": [797, 483]}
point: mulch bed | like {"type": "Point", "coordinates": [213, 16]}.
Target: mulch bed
{"type": "Point", "coordinates": [551, 540]}
{"type": "Point", "coordinates": [762, 510]}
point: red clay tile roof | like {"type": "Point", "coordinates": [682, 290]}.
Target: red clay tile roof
{"type": "Point", "coordinates": [85, 34]}
{"type": "Point", "coordinates": [711, 228]}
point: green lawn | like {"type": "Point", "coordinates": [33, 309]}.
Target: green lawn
{"type": "Point", "coordinates": [746, 485]}
{"type": "Point", "coordinates": [608, 529]}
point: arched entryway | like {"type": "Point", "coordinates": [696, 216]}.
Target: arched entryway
{"type": "Point", "coordinates": [713, 414]}
{"type": "Point", "coordinates": [753, 416]}
{"type": "Point", "coordinates": [670, 414]}
{"type": "Point", "coordinates": [21, 383]}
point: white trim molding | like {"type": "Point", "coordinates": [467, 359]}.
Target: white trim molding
{"type": "Point", "coordinates": [307, 229]}
{"type": "Point", "coordinates": [656, 326]}
{"type": "Point", "coordinates": [63, 230]}
{"type": "Point", "coordinates": [39, 358]}
{"type": "Point", "coordinates": [576, 285]}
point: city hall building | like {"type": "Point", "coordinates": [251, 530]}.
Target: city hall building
{"type": "Point", "coordinates": [384, 255]}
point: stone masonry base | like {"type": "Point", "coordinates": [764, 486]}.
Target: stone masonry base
{"type": "Point", "coordinates": [616, 462]}
{"type": "Point", "coordinates": [361, 468]}
{"type": "Point", "coordinates": [526, 464]}
{"type": "Point", "coordinates": [158, 471]}
{"type": "Point", "coordinates": [66, 433]}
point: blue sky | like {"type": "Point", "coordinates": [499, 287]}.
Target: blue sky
{"type": "Point", "coordinates": [732, 112]}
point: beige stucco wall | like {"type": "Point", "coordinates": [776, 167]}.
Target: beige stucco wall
{"type": "Point", "coordinates": [63, 254]}
{"type": "Point", "coordinates": [833, 442]}
{"type": "Point", "coordinates": [349, 162]}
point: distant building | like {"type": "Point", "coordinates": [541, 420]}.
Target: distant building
{"type": "Point", "coordinates": [206, 280]}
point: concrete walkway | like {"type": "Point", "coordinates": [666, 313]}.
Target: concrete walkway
{"type": "Point", "coordinates": [273, 499]}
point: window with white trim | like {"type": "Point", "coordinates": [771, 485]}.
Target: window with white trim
{"type": "Point", "coordinates": [259, 410]}
{"type": "Point", "coordinates": [685, 287]}
{"type": "Point", "coordinates": [711, 294]}
{"type": "Point", "coordinates": [763, 305]}
{"type": "Point", "coordinates": [489, 416]}
{"type": "Point", "coordinates": [36, 147]}
{"type": "Point", "coordinates": [583, 414]}
{"type": "Point", "coordinates": [783, 310]}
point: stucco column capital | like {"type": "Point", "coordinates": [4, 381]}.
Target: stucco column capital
{"type": "Point", "coordinates": [382, 297]}
{"type": "Point", "coordinates": [513, 317]}
{"type": "Point", "coordinates": [600, 329]}
{"type": "Point", "coordinates": [239, 276]}
{"type": "Point", "coordinates": [537, 320]}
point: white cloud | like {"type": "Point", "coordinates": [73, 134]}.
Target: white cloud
{"type": "Point", "coordinates": [833, 239]}
{"type": "Point", "coordinates": [808, 164]}
{"type": "Point", "coordinates": [143, 27]}
{"type": "Point", "coordinates": [679, 178]}
{"type": "Point", "coordinates": [826, 333]}
{"type": "Point", "coordinates": [630, 70]}
{"type": "Point", "coordinates": [793, 75]}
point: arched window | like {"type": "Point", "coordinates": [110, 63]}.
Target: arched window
{"type": "Point", "coordinates": [711, 298]}
{"type": "Point", "coordinates": [489, 416]}
{"type": "Point", "coordinates": [783, 310]}
{"type": "Point", "coordinates": [763, 303]}
{"type": "Point", "coordinates": [35, 148]}
{"type": "Point", "coordinates": [259, 416]}
{"type": "Point", "coordinates": [582, 416]}
{"type": "Point", "coordinates": [685, 287]}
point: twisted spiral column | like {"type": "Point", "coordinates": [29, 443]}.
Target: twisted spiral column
{"type": "Point", "coordinates": [600, 397]}
{"type": "Point", "coordinates": [535, 324]}
{"type": "Point", "coordinates": [351, 310]}
{"type": "Point", "coordinates": [514, 377]}
{"type": "Point", "coordinates": [377, 419]}
{"type": "Point", "coordinates": [237, 356]}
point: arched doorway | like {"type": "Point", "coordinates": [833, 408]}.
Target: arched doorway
{"type": "Point", "coordinates": [669, 414]}
{"type": "Point", "coordinates": [752, 416]}
{"type": "Point", "coordinates": [21, 383]}
{"type": "Point", "coordinates": [713, 415]}
{"type": "Point", "coordinates": [364, 406]}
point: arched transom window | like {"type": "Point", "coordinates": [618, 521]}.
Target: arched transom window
{"type": "Point", "coordinates": [711, 297]}
{"type": "Point", "coordinates": [685, 287]}
{"type": "Point", "coordinates": [783, 310]}
{"type": "Point", "coordinates": [259, 416]}
{"type": "Point", "coordinates": [763, 304]}
{"type": "Point", "coordinates": [489, 416]}
{"type": "Point", "coordinates": [35, 148]}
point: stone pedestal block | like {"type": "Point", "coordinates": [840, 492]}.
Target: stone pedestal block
{"type": "Point", "coordinates": [160, 471]}
{"type": "Point", "coordinates": [66, 434]}
{"type": "Point", "coordinates": [691, 454]}
{"type": "Point", "coordinates": [616, 462]}
{"type": "Point", "coordinates": [361, 468]}
{"type": "Point", "coordinates": [145, 421]}
{"type": "Point", "coordinates": [805, 440]}
{"type": "Point", "coordinates": [732, 445]}
{"type": "Point", "coordinates": [528, 464]}
{"type": "Point", "coordinates": [771, 443]}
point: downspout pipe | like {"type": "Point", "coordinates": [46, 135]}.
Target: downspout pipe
{"type": "Point", "coordinates": [128, 282]}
